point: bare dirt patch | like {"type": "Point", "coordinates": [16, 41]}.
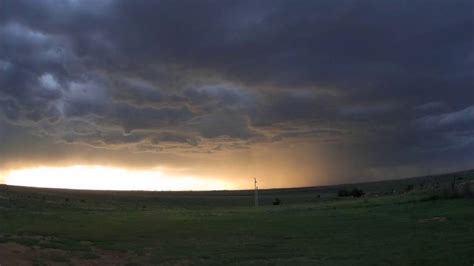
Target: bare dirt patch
{"type": "Point", "coordinates": [13, 254]}
{"type": "Point", "coordinates": [17, 254]}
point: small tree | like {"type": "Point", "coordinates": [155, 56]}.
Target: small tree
{"type": "Point", "coordinates": [276, 201]}
{"type": "Point", "coordinates": [357, 193]}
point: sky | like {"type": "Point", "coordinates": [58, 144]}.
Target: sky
{"type": "Point", "coordinates": [209, 94]}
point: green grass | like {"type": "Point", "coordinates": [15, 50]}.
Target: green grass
{"type": "Point", "coordinates": [389, 230]}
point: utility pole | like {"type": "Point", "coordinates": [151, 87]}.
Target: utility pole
{"type": "Point", "coordinates": [256, 192]}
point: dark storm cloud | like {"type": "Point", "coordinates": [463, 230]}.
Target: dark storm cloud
{"type": "Point", "coordinates": [387, 79]}
{"type": "Point", "coordinates": [140, 93]}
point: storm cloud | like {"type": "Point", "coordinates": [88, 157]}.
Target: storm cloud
{"type": "Point", "coordinates": [368, 89]}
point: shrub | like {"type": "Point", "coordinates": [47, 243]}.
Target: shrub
{"type": "Point", "coordinates": [468, 189]}
{"type": "Point", "coordinates": [343, 193]}
{"type": "Point", "coordinates": [357, 193]}
{"type": "Point", "coordinates": [276, 201]}
{"type": "Point", "coordinates": [431, 197]}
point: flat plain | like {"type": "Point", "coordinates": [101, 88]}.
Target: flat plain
{"type": "Point", "coordinates": [400, 222]}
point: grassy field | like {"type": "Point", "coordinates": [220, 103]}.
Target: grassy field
{"type": "Point", "coordinates": [312, 226]}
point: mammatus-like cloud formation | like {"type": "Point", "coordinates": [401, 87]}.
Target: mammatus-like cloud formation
{"type": "Point", "coordinates": [358, 88]}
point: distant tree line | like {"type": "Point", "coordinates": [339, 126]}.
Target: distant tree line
{"type": "Point", "coordinates": [356, 193]}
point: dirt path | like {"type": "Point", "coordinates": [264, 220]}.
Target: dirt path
{"type": "Point", "coordinates": [17, 254]}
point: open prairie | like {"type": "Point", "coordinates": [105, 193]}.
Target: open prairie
{"type": "Point", "coordinates": [400, 222]}
{"type": "Point", "coordinates": [150, 123]}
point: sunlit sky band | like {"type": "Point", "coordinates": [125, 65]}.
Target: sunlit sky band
{"type": "Point", "coordinates": [109, 178]}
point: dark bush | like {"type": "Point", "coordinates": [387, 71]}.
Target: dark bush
{"type": "Point", "coordinates": [357, 193]}
{"type": "Point", "coordinates": [432, 197]}
{"type": "Point", "coordinates": [409, 188]}
{"type": "Point", "coordinates": [276, 201]}
{"type": "Point", "coordinates": [343, 193]}
{"type": "Point", "coordinates": [468, 190]}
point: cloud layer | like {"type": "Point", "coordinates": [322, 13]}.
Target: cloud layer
{"type": "Point", "coordinates": [381, 87]}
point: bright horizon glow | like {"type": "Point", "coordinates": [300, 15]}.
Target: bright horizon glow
{"type": "Point", "coordinates": [108, 178]}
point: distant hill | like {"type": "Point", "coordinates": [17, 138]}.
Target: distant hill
{"type": "Point", "coordinates": [237, 197]}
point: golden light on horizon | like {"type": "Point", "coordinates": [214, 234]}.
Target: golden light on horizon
{"type": "Point", "coordinates": [108, 178]}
